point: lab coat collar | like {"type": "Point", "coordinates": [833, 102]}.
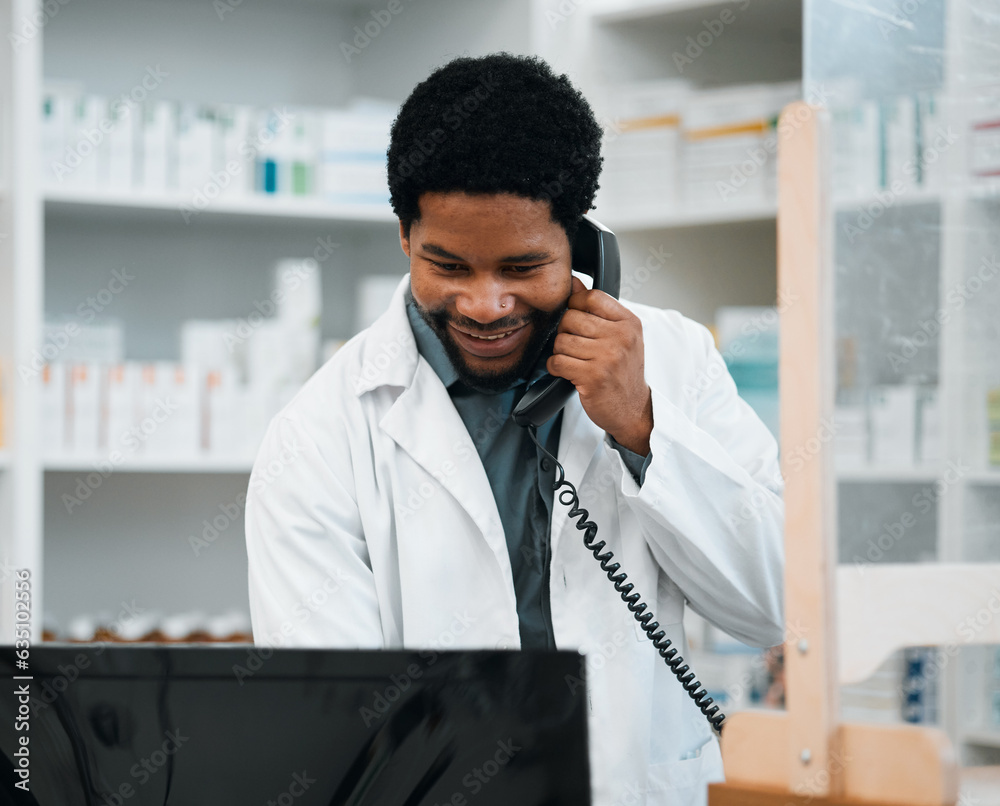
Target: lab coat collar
{"type": "Point", "coordinates": [389, 355]}
{"type": "Point", "coordinates": [442, 447]}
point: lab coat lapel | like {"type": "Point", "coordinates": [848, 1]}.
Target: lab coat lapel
{"type": "Point", "coordinates": [441, 445]}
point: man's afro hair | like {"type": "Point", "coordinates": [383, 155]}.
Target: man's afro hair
{"type": "Point", "coordinates": [497, 124]}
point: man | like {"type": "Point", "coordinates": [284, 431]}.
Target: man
{"type": "Point", "coordinates": [395, 504]}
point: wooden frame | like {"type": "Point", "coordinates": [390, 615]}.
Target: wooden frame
{"type": "Point", "coordinates": [805, 754]}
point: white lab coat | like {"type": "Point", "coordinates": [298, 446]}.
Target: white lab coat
{"type": "Point", "coordinates": [370, 522]}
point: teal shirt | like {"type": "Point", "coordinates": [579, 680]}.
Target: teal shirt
{"type": "Point", "coordinates": [520, 475]}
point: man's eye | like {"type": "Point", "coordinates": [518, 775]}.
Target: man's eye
{"type": "Point", "coordinates": [448, 266]}
{"type": "Point", "coordinates": [523, 269]}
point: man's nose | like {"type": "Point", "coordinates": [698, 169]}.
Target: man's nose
{"type": "Point", "coordinates": [485, 300]}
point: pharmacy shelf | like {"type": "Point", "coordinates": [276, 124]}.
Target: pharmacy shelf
{"type": "Point", "coordinates": [629, 10]}
{"type": "Point", "coordinates": [275, 207]}
{"type": "Point", "coordinates": [888, 475]}
{"type": "Point", "coordinates": [984, 477]}
{"type": "Point", "coordinates": [692, 217]}
{"type": "Point", "coordinates": [907, 197]}
{"type": "Point", "coordinates": [983, 738]}
{"type": "Point", "coordinates": [987, 191]}
{"type": "Point", "coordinates": [151, 464]}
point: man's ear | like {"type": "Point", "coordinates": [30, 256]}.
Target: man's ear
{"type": "Point", "coordinates": [404, 240]}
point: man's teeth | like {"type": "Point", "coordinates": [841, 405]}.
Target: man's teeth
{"type": "Point", "coordinates": [492, 338]}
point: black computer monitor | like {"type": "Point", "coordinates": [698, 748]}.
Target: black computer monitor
{"type": "Point", "coordinates": [193, 725]}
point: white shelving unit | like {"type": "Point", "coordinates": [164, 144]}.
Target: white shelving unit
{"type": "Point", "coordinates": [64, 200]}
{"type": "Point", "coordinates": [925, 246]}
{"type": "Point", "coordinates": [131, 538]}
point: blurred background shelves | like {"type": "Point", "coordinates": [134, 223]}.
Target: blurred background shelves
{"type": "Point", "coordinates": [756, 211]}
{"type": "Point", "coordinates": [67, 202]}
{"type": "Point", "coordinates": [888, 475]}
{"type": "Point", "coordinates": [156, 464]}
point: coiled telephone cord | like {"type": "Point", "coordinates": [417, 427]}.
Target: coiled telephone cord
{"type": "Point", "coordinates": [568, 497]}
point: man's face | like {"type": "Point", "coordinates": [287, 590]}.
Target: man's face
{"type": "Point", "coordinates": [491, 275]}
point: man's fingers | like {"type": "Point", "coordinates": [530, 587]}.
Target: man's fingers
{"type": "Point", "coordinates": [564, 366]}
{"type": "Point", "coordinates": [582, 323]}
{"type": "Point", "coordinates": [576, 346]}
{"type": "Point", "coordinates": [598, 303]}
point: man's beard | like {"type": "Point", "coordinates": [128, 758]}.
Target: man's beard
{"type": "Point", "coordinates": [542, 323]}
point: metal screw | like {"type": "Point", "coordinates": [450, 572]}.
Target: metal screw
{"type": "Point", "coordinates": [803, 646]}
{"type": "Point", "coordinates": [806, 756]}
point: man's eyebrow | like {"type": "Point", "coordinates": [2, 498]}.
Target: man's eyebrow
{"type": "Point", "coordinates": [525, 257]}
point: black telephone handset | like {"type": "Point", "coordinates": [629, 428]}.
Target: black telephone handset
{"type": "Point", "coordinates": [595, 252]}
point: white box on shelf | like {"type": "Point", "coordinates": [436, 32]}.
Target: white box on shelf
{"type": "Point", "coordinates": [641, 145]}
{"type": "Point", "coordinates": [850, 442]}
{"type": "Point", "coordinates": [932, 129]}
{"type": "Point", "coordinates": [893, 425]}
{"type": "Point", "coordinates": [213, 344]}
{"type": "Point", "coordinates": [856, 168]}
{"type": "Point", "coordinates": [984, 135]}
{"type": "Point", "coordinates": [305, 136]}
{"type": "Point", "coordinates": [901, 143]}
{"type": "Point", "coordinates": [84, 408]}
{"type": "Point", "coordinates": [223, 429]}
{"type": "Point", "coordinates": [119, 409]}
{"type": "Point", "coordinates": [118, 171]}
{"type": "Point", "coordinates": [85, 136]}
{"type": "Point", "coordinates": [169, 418]}
{"type": "Point", "coordinates": [233, 123]}
{"type": "Point", "coordinates": [930, 450]}
{"type": "Point", "coordinates": [73, 342]}
{"type": "Point", "coordinates": [157, 128]}
{"type": "Point", "coordinates": [196, 144]}
{"type": "Point", "coordinates": [352, 160]}
{"type": "Point", "coordinates": [58, 103]}
{"type": "Point", "coordinates": [54, 408]}
{"type": "Point", "coordinates": [299, 305]}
